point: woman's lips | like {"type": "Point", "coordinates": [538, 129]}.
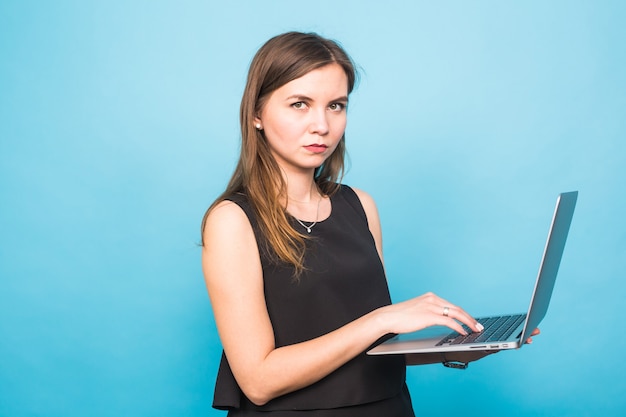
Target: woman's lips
{"type": "Point", "coordinates": [316, 148]}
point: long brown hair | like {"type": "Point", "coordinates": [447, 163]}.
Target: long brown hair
{"type": "Point", "coordinates": [280, 60]}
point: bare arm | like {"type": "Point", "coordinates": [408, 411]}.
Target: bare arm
{"type": "Point", "coordinates": [233, 276]}
{"type": "Point", "coordinates": [234, 281]}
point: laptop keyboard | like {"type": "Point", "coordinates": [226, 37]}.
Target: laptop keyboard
{"type": "Point", "coordinates": [496, 329]}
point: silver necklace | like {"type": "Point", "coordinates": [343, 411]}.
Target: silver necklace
{"type": "Point", "coordinates": [317, 213]}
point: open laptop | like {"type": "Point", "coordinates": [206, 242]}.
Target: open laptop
{"type": "Point", "coordinates": [501, 332]}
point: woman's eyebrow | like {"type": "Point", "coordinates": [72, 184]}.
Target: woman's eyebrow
{"type": "Point", "coordinates": [302, 97]}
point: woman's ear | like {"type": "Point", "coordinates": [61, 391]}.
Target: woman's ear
{"type": "Point", "coordinates": [258, 124]}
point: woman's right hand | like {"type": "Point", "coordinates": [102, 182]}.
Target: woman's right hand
{"type": "Point", "coordinates": [425, 311]}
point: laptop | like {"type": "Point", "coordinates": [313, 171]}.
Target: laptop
{"type": "Point", "coordinates": [504, 331]}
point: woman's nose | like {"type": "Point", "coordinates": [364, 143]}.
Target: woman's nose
{"type": "Point", "coordinates": [319, 122]}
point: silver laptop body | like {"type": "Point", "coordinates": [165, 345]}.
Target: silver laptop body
{"type": "Point", "coordinates": [440, 339]}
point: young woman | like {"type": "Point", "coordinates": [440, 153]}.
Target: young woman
{"type": "Point", "coordinates": [293, 259]}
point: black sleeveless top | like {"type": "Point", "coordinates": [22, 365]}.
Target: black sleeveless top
{"type": "Point", "coordinates": [344, 279]}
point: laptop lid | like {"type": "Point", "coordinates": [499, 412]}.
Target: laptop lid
{"type": "Point", "coordinates": [550, 261]}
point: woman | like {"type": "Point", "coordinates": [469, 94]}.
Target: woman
{"type": "Point", "coordinates": [293, 260]}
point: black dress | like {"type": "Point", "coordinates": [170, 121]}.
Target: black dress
{"type": "Point", "coordinates": [344, 279]}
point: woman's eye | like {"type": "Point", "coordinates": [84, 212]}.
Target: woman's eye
{"type": "Point", "coordinates": [298, 105]}
{"type": "Point", "coordinates": [337, 106]}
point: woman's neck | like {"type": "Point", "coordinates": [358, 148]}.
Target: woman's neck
{"type": "Point", "coordinates": [305, 193]}
{"type": "Point", "coordinates": [302, 188]}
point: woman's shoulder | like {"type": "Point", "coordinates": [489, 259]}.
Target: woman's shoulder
{"type": "Point", "coordinates": [366, 200]}
{"type": "Point", "coordinates": [225, 207]}
{"type": "Point", "coordinates": [364, 196]}
{"type": "Point", "coordinates": [230, 205]}
{"type": "Point", "coordinates": [226, 217]}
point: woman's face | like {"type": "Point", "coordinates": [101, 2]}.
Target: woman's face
{"type": "Point", "coordinates": [305, 119]}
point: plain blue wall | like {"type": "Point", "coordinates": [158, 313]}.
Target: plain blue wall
{"type": "Point", "coordinates": [119, 125]}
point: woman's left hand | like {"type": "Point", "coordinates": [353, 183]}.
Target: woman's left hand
{"type": "Point", "coordinates": [534, 333]}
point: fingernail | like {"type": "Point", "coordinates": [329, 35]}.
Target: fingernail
{"type": "Point", "coordinates": [480, 327]}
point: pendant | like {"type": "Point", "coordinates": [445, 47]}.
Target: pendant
{"type": "Point", "coordinates": [308, 229]}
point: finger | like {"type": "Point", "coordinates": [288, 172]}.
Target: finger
{"type": "Point", "coordinates": [454, 320]}
{"type": "Point", "coordinates": [445, 308]}
{"type": "Point", "coordinates": [534, 333]}
{"type": "Point", "coordinates": [451, 323]}
{"type": "Point", "coordinates": [461, 315]}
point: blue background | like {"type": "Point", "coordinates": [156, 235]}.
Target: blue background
{"type": "Point", "coordinates": [119, 126]}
